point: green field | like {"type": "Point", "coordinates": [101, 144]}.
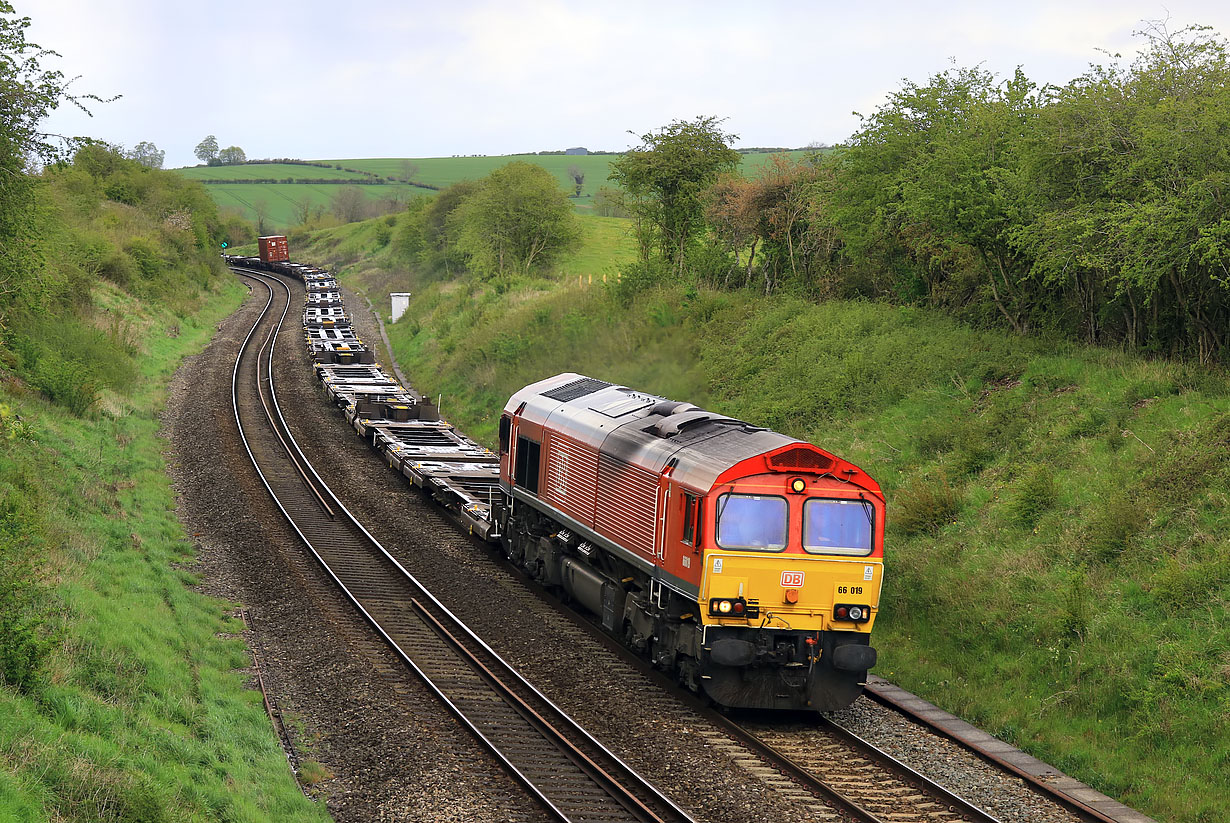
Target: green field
{"type": "Point", "coordinates": [606, 245]}
{"type": "Point", "coordinates": [261, 171]}
{"type": "Point", "coordinates": [281, 200]}
{"type": "Point", "coordinates": [444, 171]}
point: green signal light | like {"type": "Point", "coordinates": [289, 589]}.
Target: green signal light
{"type": "Point", "coordinates": [225, 244]}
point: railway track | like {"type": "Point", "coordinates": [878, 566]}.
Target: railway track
{"type": "Point", "coordinates": [855, 775]}
{"type": "Point", "coordinates": [814, 757]}
{"type": "Point", "coordinates": [570, 773]}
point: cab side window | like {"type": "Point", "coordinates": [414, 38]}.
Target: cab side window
{"type": "Point", "coordinates": [700, 519]}
{"type": "Point", "coordinates": [505, 432]}
{"type": "Point", "coordinates": [689, 519]}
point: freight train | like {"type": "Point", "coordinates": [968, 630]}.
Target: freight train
{"type": "Point", "coordinates": [745, 562]}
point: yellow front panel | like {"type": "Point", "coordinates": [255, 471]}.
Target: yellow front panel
{"type": "Point", "coordinates": [766, 578]}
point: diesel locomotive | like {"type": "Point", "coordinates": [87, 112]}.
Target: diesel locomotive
{"type": "Point", "coordinates": [747, 562]}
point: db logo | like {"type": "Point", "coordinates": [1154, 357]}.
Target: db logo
{"type": "Point", "coordinates": [792, 580]}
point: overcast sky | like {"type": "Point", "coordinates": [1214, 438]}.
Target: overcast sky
{"type": "Point", "coordinates": [380, 78]}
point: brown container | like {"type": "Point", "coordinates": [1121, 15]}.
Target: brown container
{"type": "Point", "coordinates": [273, 249]}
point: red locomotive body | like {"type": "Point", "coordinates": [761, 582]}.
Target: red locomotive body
{"type": "Point", "coordinates": [747, 562]}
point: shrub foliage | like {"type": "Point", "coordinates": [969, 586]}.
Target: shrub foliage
{"type": "Point", "coordinates": [1093, 209]}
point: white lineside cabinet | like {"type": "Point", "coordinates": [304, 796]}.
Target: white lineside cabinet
{"type": "Point", "coordinates": [401, 302]}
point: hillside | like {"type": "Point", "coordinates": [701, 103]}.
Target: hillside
{"type": "Point", "coordinates": [123, 690]}
{"type": "Point", "coordinates": [290, 172]}
{"type": "Point", "coordinates": [444, 171]}
{"type": "Point", "coordinates": [1058, 559]}
{"type": "Point", "coordinates": [299, 193]}
{"type": "Point", "coordinates": [282, 203]}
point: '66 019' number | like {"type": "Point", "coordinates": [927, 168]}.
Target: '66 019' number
{"type": "Point", "coordinates": [849, 589]}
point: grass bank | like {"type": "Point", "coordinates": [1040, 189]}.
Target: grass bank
{"type": "Point", "coordinates": [123, 692]}
{"type": "Point", "coordinates": [143, 712]}
{"type": "Point", "coordinates": [1059, 535]}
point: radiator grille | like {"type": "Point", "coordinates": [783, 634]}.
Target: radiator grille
{"type": "Point", "coordinates": [627, 509]}
{"type": "Point", "coordinates": [572, 474]}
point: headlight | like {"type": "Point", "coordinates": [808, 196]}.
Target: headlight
{"type": "Point", "coordinates": [733, 607]}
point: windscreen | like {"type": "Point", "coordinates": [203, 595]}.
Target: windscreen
{"type": "Point", "coordinates": [751, 522]}
{"type": "Point", "coordinates": [837, 526]}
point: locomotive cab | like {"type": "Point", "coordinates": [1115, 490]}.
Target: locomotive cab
{"type": "Point", "coordinates": [790, 589]}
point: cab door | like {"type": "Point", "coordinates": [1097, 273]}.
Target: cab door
{"type": "Point", "coordinates": [682, 533]}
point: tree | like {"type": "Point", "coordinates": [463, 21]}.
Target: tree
{"type": "Point", "coordinates": [516, 220]}
{"type": "Point", "coordinates": [147, 154]}
{"type": "Point", "coordinates": [730, 209]}
{"type": "Point", "coordinates": [771, 212]}
{"type": "Point", "coordinates": [207, 150]}
{"type": "Point", "coordinates": [28, 94]}
{"type": "Point", "coordinates": [261, 207]}
{"type": "Point", "coordinates": [408, 171]}
{"type": "Point", "coordinates": [609, 202]}
{"type": "Point", "coordinates": [665, 177]}
{"type": "Point", "coordinates": [426, 237]}
{"type": "Point", "coordinates": [1128, 168]}
{"type": "Point", "coordinates": [348, 204]}
{"type": "Point", "coordinates": [306, 208]}
{"type": "Point", "coordinates": [928, 191]}
{"type": "Point", "coordinates": [232, 156]}
{"type": "Point", "coordinates": [578, 177]}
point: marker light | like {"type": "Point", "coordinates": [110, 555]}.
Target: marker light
{"type": "Point", "coordinates": [798, 484]}
{"type": "Point", "coordinates": [724, 606]}
{"type": "Point", "coordinates": [792, 595]}
{"type": "Point", "coordinates": [854, 613]}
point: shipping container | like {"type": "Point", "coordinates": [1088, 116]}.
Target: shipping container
{"type": "Point", "coordinates": [274, 249]}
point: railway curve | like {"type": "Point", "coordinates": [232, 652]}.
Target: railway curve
{"type": "Point", "coordinates": [567, 770]}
